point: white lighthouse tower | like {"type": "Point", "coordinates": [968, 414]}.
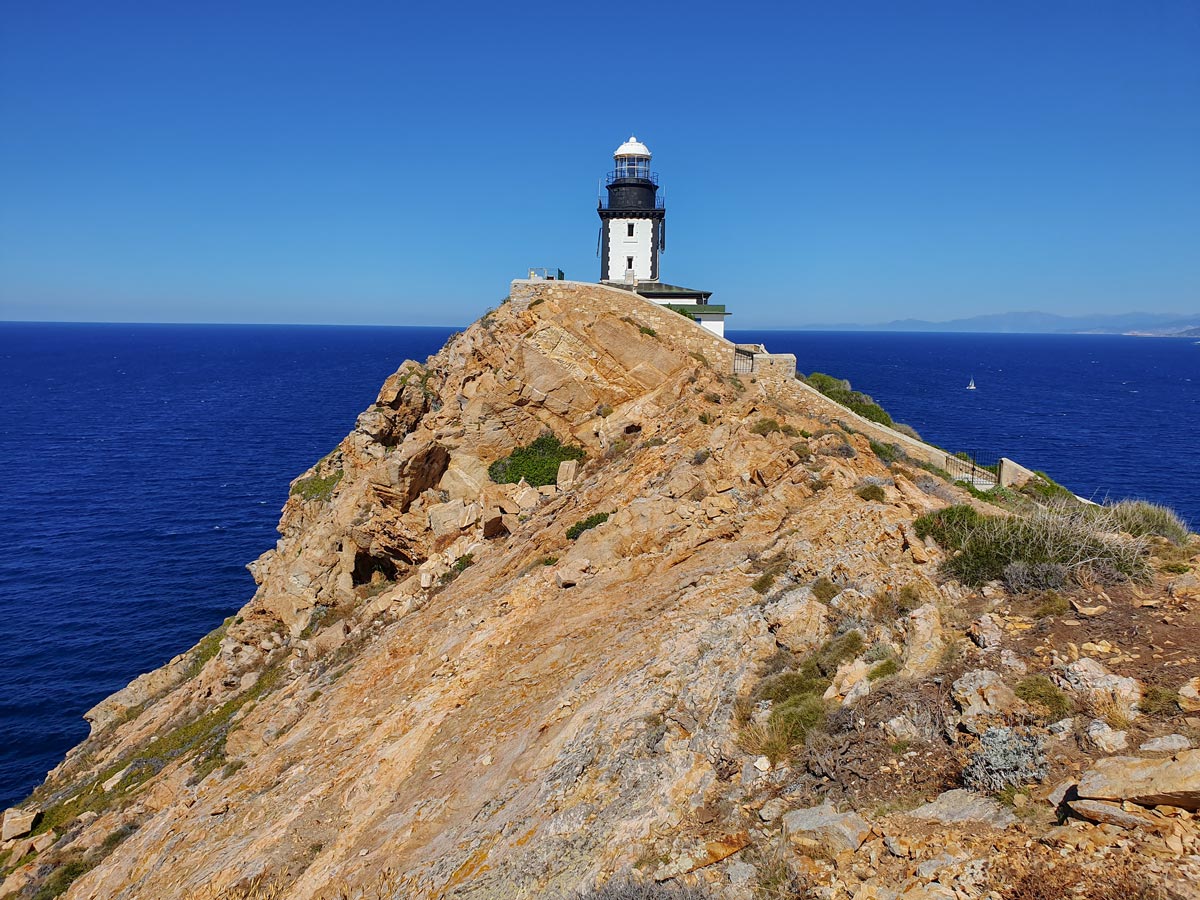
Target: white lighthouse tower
{"type": "Point", "coordinates": [633, 234]}
{"type": "Point", "coordinates": [633, 220]}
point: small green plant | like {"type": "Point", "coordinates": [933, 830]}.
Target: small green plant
{"type": "Point", "coordinates": [648, 331]}
{"type": "Point", "coordinates": [888, 606]}
{"type": "Point", "coordinates": [887, 453]}
{"type": "Point", "coordinates": [773, 568]}
{"type": "Point", "coordinates": [884, 669]}
{"type": "Point", "coordinates": [548, 560]}
{"type": "Point", "coordinates": [824, 589]}
{"type": "Point", "coordinates": [586, 524]}
{"type": "Point", "coordinates": [789, 430]}
{"type": "Point", "coordinates": [706, 419]}
{"type": "Point", "coordinates": [537, 463]}
{"type": "Point", "coordinates": [765, 427]}
{"type": "Point", "coordinates": [1175, 568]}
{"type": "Point", "coordinates": [654, 442]}
{"type": "Point", "coordinates": [1050, 604]}
{"type": "Point", "coordinates": [872, 492]}
{"type": "Point", "coordinates": [1040, 690]}
{"type": "Point", "coordinates": [1159, 701]}
{"type": "Point", "coordinates": [317, 487]}
{"type": "Point", "coordinates": [712, 397]}
{"type": "Point", "coordinates": [604, 411]}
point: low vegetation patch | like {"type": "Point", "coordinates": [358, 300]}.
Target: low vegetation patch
{"type": "Point", "coordinates": [824, 589]}
{"type": "Point", "coordinates": [1140, 518]}
{"type": "Point", "coordinates": [1159, 701]}
{"type": "Point", "coordinates": [1040, 690]}
{"type": "Point", "coordinates": [888, 606]}
{"type": "Point", "coordinates": [1005, 758]}
{"type": "Point", "coordinates": [798, 708]}
{"type": "Point", "coordinates": [317, 487]}
{"type": "Point", "coordinates": [872, 492]}
{"type": "Point", "coordinates": [765, 427]}
{"type": "Point", "coordinates": [1047, 540]}
{"type": "Point", "coordinates": [839, 391]}
{"type": "Point", "coordinates": [537, 463]}
{"type": "Point", "coordinates": [774, 567]}
{"type": "Point", "coordinates": [586, 524]}
{"type": "Point", "coordinates": [887, 453]}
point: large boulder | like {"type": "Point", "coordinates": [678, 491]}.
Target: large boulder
{"type": "Point", "coordinates": [1173, 781]}
{"type": "Point", "coordinates": [923, 641]}
{"type": "Point", "coordinates": [800, 623]}
{"type": "Point", "coordinates": [842, 831]}
{"type": "Point", "coordinates": [17, 822]}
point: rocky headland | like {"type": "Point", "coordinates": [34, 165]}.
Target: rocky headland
{"type": "Point", "coordinates": [739, 643]}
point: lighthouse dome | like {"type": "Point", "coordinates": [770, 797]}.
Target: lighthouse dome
{"type": "Point", "coordinates": [632, 147]}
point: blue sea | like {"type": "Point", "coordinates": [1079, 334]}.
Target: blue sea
{"type": "Point", "coordinates": [145, 465]}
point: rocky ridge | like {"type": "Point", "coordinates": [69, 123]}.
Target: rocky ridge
{"type": "Point", "coordinates": [434, 688]}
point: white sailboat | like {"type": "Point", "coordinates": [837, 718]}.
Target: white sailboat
{"type": "Point", "coordinates": [971, 386]}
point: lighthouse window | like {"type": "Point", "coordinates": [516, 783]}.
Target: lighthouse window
{"type": "Point", "coordinates": [630, 229]}
{"type": "Point", "coordinates": [629, 262]}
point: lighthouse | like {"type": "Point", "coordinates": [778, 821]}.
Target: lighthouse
{"type": "Point", "coordinates": [633, 234]}
{"type": "Point", "coordinates": [633, 220]}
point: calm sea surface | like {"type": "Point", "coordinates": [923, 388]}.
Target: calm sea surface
{"type": "Point", "coordinates": [145, 465]}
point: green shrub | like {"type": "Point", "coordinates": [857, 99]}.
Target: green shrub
{"type": "Point", "coordinates": [706, 419]}
{"type": "Point", "coordinates": [548, 560]}
{"type": "Point", "coordinates": [648, 331]}
{"type": "Point", "coordinates": [887, 453]}
{"type": "Point", "coordinates": [1051, 604]}
{"type": "Point", "coordinates": [712, 397]}
{"type": "Point", "coordinates": [834, 652]}
{"type": "Point", "coordinates": [604, 411]}
{"type": "Point", "coordinates": [872, 492]}
{"type": "Point", "coordinates": [807, 681]}
{"type": "Point", "coordinates": [1045, 489]}
{"type": "Point", "coordinates": [1069, 537]}
{"type": "Point", "coordinates": [586, 524]}
{"type": "Point", "coordinates": [1140, 518]}
{"type": "Point", "coordinates": [654, 442]}
{"type": "Point", "coordinates": [824, 589]}
{"type": "Point", "coordinates": [316, 487]}
{"type": "Point", "coordinates": [1159, 701]}
{"type": "Point", "coordinates": [797, 718]}
{"type": "Point", "coordinates": [764, 427]}
{"type": "Point", "coordinates": [1041, 690]}
{"type": "Point", "coordinates": [839, 391]}
{"type": "Point", "coordinates": [949, 527]}
{"type": "Point", "coordinates": [537, 463]}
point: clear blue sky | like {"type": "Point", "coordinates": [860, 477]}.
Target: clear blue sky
{"type": "Point", "coordinates": [399, 163]}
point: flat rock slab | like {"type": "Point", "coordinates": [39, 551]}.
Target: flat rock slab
{"type": "Point", "coordinates": [824, 823]}
{"type": "Point", "coordinates": [1174, 781]}
{"type": "Point", "coordinates": [961, 805]}
{"type": "Point", "coordinates": [17, 822]}
{"type": "Point", "coordinates": [1105, 812]}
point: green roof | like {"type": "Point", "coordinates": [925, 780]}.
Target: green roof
{"type": "Point", "coordinates": [660, 289]}
{"type": "Point", "coordinates": [696, 309]}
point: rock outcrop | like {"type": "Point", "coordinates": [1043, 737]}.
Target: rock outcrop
{"type": "Point", "coordinates": [458, 688]}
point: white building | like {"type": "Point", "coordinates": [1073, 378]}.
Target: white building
{"type": "Point", "coordinates": [633, 235]}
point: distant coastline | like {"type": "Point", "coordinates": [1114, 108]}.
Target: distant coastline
{"type": "Point", "coordinates": [1133, 324]}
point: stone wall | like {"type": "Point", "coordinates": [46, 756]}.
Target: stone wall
{"type": "Point", "coordinates": [775, 367]}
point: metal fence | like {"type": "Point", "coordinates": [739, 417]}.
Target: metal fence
{"type": "Point", "coordinates": [973, 469]}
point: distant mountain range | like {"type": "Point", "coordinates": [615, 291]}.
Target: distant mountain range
{"type": "Point", "coordinates": [1158, 324]}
